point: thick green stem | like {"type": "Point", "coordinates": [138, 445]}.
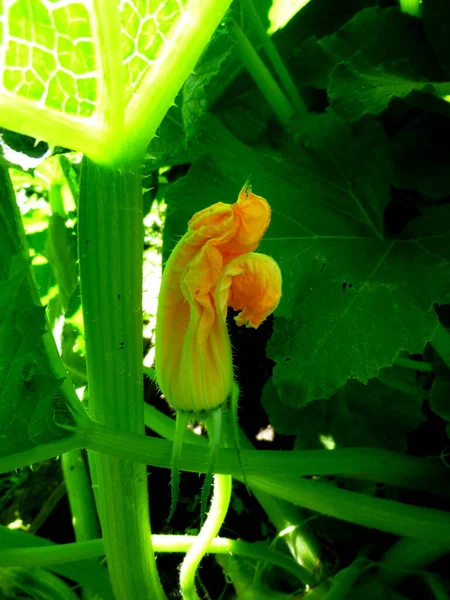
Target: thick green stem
{"type": "Point", "coordinates": [407, 556]}
{"type": "Point", "coordinates": [110, 241]}
{"type": "Point", "coordinates": [344, 582]}
{"type": "Point", "coordinates": [370, 464]}
{"type": "Point", "coordinates": [262, 76]}
{"type": "Point", "coordinates": [216, 516]}
{"type": "Point", "coordinates": [81, 498]}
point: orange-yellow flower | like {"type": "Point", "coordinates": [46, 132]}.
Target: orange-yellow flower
{"type": "Point", "coordinates": [212, 267]}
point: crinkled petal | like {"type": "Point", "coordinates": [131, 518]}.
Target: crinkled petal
{"type": "Point", "coordinates": [250, 284]}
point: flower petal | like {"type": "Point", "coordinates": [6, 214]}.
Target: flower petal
{"type": "Point", "coordinates": [252, 285]}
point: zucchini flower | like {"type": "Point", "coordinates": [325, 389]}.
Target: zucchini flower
{"type": "Point", "coordinates": [211, 268]}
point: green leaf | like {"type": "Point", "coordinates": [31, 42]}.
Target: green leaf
{"type": "Point", "coordinates": [169, 146]}
{"type": "Point", "coordinates": [357, 88]}
{"type": "Point", "coordinates": [317, 18]}
{"type": "Point", "coordinates": [351, 301]}
{"type": "Point", "coordinates": [377, 55]}
{"type": "Point", "coordinates": [436, 17]}
{"type": "Point", "coordinates": [30, 394]}
{"type": "Point", "coordinates": [422, 156]}
{"type": "Point", "coordinates": [385, 36]}
{"type": "Point", "coordinates": [196, 92]}
{"type": "Point", "coordinates": [380, 416]}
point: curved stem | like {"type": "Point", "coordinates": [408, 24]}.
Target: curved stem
{"type": "Point", "coordinates": [286, 517]}
{"type": "Point", "coordinates": [216, 516]}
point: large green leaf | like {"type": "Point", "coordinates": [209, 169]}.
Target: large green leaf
{"type": "Point", "coordinates": [98, 77]}
{"type": "Point", "coordinates": [422, 156]}
{"type": "Point", "coordinates": [30, 387]}
{"type": "Point", "coordinates": [436, 18]}
{"type": "Point", "coordinates": [352, 299]}
{"type": "Point", "coordinates": [357, 88]}
{"type": "Point", "coordinates": [378, 55]}
{"type": "Point", "coordinates": [380, 416]}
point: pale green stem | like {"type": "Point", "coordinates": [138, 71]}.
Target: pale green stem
{"type": "Point", "coordinates": [262, 76]}
{"type": "Point", "coordinates": [277, 62]}
{"type": "Point", "coordinates": [81, 499]}
{"type": "Point", "coordinates": [216, 516]}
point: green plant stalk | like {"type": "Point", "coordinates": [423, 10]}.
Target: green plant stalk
{"type": "Point", "coordinates": [277, 62]}
{"type": "Point", "coordinates": [51, 554]}
{"type": "Point", "coordinates": [14, 243]}
{"type": "Point", "coordinates": [370, 464]}
{"type": "Point", "coordinates": [386, 515]}
{"type": "Point", "coordinates": [407, 556]}
{"type": "Point", "coordinates": [81, 498]}
{"type": "Point", "coordinates": [262, 76]}
{"type": "Point", "coordinates": [81, 501]}
{"type": "Point", "coordinates": [110, 241]}
{"type": "Point", "coordinates": [219, 507]}
{"type": "Point", "coordinates": [76, 478]}
{"type": "Point", "coordinates": [345, 580]}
